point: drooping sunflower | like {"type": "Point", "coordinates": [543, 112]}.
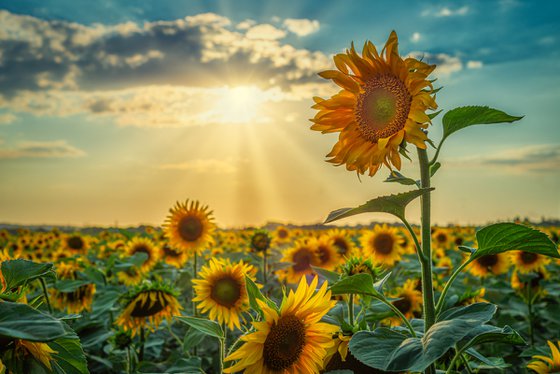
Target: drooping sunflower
{"type": "Point", "coordinates": [221, 291]}
{"type": "Point", "coordinates": [143, 245]}
{"type": "Point", "coordinates": [327, 253]}
{"type": "Point", "coordinates": [290, 340]}
{"type": "Point", "coordinates": [148, 305]}
{"type": "Point", "coordinates": [382, 245]}
{"type": "Point", "coordinates": [494, 264]}
{"type": "Point", "coordinates": [410, 301]}
{"type": "Point", "coordinates": [190, 226]}
{"type": "Point", "coordinates": [78, 299]}
{"type": "Point", "coordinates": [545, 365]}
{"type": "Point", "coordinates": [382, 104]}
{"type": "Point", "coordinates": [526, 262]}
{"type": "Point", "coordinates": [39, 351]}
{"type": "Point", "coordinates": [303, 256]}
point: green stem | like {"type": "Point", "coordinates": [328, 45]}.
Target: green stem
{"type": "Point", "coordinates": [466, 363]}
{"type": "Point", "coordinates": [223, 344]}
{"type": "Point", "coordinates": [427, 286]}
{"type": "Point", "coordinates": [45, 292]}
{"type": "Point", "coordinates": [128, 361]}
{"type": "Point", "coordinates": [434, 159]}
{"type": "Point", "coordinates": [351, 309]}
{"type": "Point", "coordinates": [530, 310]}
{"type": "Point", "coordinates": [179, 341]}
{"type": "Point", "coordinates": [142, 342]}
{"type": "Point", "coordinates": [441, 299]}
{"type": "Point", "coordinates": [415, 238]}
{"type": "Point", "coordinates": [453, 361]}
{"type": "Point", "coordinates": [399, 313]}
{"type": "Point", "coordinates": [195, 313]}
{"type": "Point", "coordinates": [264, 268]}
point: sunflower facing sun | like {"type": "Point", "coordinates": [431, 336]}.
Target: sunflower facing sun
{"type": "Point", "coordinates": [382, 104]}
{"type": "Point", "coordinates": [291, 340]}
{"type": "Point", "coordinates": [189, 226]}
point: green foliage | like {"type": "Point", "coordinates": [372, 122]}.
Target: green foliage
{"type": "Point", "coordinates": [397, 177]}
{"type": "Point", "coordinates": [203, 325]}
{"type": "Point", "coordinates": [20, 272]}
{"type": "Point", "coordinates": [23, 322]}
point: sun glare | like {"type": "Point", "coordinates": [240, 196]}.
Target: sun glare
{"type": "Point", "coordinates": [239, 104]}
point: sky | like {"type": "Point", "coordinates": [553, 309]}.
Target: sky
{"type": "Point", "coordinates": [111, 111]}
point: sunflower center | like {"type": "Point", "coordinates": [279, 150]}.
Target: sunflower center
{"type": "Point", "coordinates": [282, 234]}
{"type": "Point", "coordinates": [302, 260]}
{"type": "Point", "coordinates": [528, 257]}
{"type": "Point", "coordinates": [324, 254]}
{"type": "Point", "coordinates": [441, 238]}
{"type": "Point", "coordinates": [147, 309]}
{"type": "Point", "coordinates": [75, 242]}
{"type": "Point", "coordinates": [459, 241]}
{"type": "Point", "coordinates": [226, 291]}
{"type": "Point", "coordinates": [141, 248]}
{"type": "Point", "coordinates": [170, 252]}
{"type": "Point", "coordinates": [284, 343]}
{"type": "Point", "coordinates": [190, 228]}
{"type": "Point", "coordinates": [383, 243]}
{"type": "Point", "coordinates": [341, 244]}
{"type": "Point", "coordinates": [403, 304]}
{"type": "Point", "coordinates": [260, 242]}
{"type": "Point", "coordinates": [488, 261]}
{"type": "Point", "coordinates": [382, 109]}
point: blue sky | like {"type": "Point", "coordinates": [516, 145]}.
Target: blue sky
{"type": "Point", "coordinates": [111, 111]}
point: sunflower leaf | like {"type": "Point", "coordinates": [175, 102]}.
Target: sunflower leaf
{"type": "Point", "coordinates": [255, 294]}
{"type": "Point", "coordinates": [330, 276]}
{"type": "Point", "coordinates": [18, 272]}
{"type": "Point", "coordinates": [356, 284]}
{"type": "Point", "coordinates": [434, 168]}
{"type": "Point", "coordinates": [508, 236]}
{"type": "Point", "coordinates": [459, 118]}
{"type": "Point", "coordinates": [23, 322]}
{"type": "Point", "coordinates": [400, 352]}
{"type": "Point", "coordinates": [397, 177]}
{"type": "Point", "coordinates": [203, 325]}
{"type": "Point", "coordinates": [487, 333]}
{"type": "Point", "coordinates": [392, 204]}
{"type": "Point", "coordinates": [69, 356]}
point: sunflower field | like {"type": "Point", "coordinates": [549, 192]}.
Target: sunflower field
{"type": "Point", "coordinates": [191, 297]}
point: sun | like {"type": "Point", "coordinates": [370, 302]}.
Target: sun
{"type": "Point", "coordinates": [240, 104]}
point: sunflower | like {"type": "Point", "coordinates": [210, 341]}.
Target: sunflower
{"type": "Point", "coordinates": [130, 276]}
{"type": "Point", "coordinates": [173, 257]}
{"type": "Point", "coordinates": [341, 239]}
{"type": "Point", "coordinates": [260, 241]}
{"type": "Point", "coordinates": [77, 300]}
{"type": "Point", "coordinates": [527, 262]}
{"type": "Point", "coordinates": [544, 364]}
{"type": "Point", "coordinates": [221, 291]}
{"type": "Point", "coordinates": [189, 226]}
{"type": "Point", "coordinates": [291, 340]}
{"type": "Point", "coordinates": [40, 351]}
{"type": "Point", "coordinates": [381, 106]}
{"type": "Point", "coordinates": [143, 245]}
{"type": "Point", "coordinates": [303, 256]}
{"type": "Point", "coordinates": [494, 264]}
{"type": "Point", "coordinates": [75, 243]}
{"type": "Point", "coordinates": [383, 245]}
{"type": "Point", "coordinates": [281, 235]}
{"type": "Point", "coordinates": [532, 279]}
{"type": "Point", "coordinates": [148, 305]}
{"type": "Point", "coordinates": [441, 238]}
{"type": "Point", "coordinates": [409, 300]}
{"type": "Point", "coordinates": [326, 251]}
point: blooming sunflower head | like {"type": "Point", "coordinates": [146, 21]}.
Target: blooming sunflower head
{"type": "Point", "coordinates": [302, 256]}
{"type": "Point", "coordinates": [41, 352]}
{"type": "Point", "coordinates": [77, 299]}
{"type": "Point", "coordinates": [75, 243]}
{"type": "Point", "coordinates": [493, 264]}
{"type": "Point", "coordinates": [291, 339]}
{"type": "Point", "coordinates": [147, 305]}
{"type": "Point", "coordinates": [189, 226]}
{"type": "Point", "coordinates": [221, 291]}
{"type": "Point", "coordinates": [409, 300]}
{"type": "Point", "coordinates": [172, 256]}
{"type": "Point", "coordinates": [382, 106]}
{"type": "Point", "coordinates": [527, 262]}
{"type": "Point", "coordinates": [327, 253]}
{"type": "Point", "coordinates": [382, 245]}
{"type": "Point", "coordinates": [146, 246]}
{"type": "Point", "coordinates": [260, 241]}
{"type": "Point", "coordinates": [547, 364]}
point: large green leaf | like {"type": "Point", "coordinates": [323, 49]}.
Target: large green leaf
{"type": "Point", "coordinates": [356, 284]}
{"type": "Point", "coordinates": [69, 357]}
{"type": "Point", "coordinates": [23, 322]}
{"type": "Point", "coordinates": [69, 285]}
{"type": "Point", "coordinates": [502, 237]}
{"type": "Point", "coordinates": [255, 294]}
{"type": "Point", "coordinates": [206, 326]}
{"type": "Point", "coordinates": [459, 118]}
{"type": "Point", "coordinates": [399, 352]}
{"type": "Point", "coordinates": [19, 272]}
{"type": "Point", "coordinates": [486, 333]}
{"type": "Point", "coordinates": [392, 204]}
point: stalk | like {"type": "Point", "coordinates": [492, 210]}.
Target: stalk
{"type": "Point", "coordinates": [46, 294]}
{"type": "Point", "coordinates": [351, 309]}
{"type": "Point", "coordinates": [426, 263]}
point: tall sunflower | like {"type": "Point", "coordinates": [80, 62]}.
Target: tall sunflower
{"type": "Point", "coordinates": [382, 104]}
{"type": "Point", "coordinates": [222, 292]}
{"type": "Point", "coordinates": [189, 226]}
{"type": "Point", "coordinates": [147, 306]}
{"type": "Point", "coordinates": [382, 245]}
{"type": "Point", "coordinates": [291, 340]}
{"type": "Point", "coordinates": [545, 365]}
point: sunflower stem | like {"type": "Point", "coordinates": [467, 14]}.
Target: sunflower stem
{"type": "Point", "coordinates": [399, 313]}
{"type": "Point", "coordinates": [453, 361]}
{"type": "Point", "coordinates": [128, 361]}
{"type": "Point", "coordinates": [530, 315]}
{"type": "Point", "coordinates": [142, 342]}
{"type": "Point", "coordinates": [415, 238]}
{"type": "Point", "coordinates": [223, 345]}
{"type": "Point", "coordinates": [426, 265]}
{"type": "Point", "coordinates": [454, 275]}
{"type": "Point", "coordinates": [195, 313]}
{"type": "Point", "coordinates": [466, 363]}
{"type": "Point", "coordinates": [264, 269]}
{"type": "Point", "coordinates": [351, 309]}
{"type": "Point", "coordinates": [46, 294]}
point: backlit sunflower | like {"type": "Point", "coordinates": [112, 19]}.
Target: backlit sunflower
{"type": "Point", "coordinates": [189, 227]}
{"type": "Point", "coordinates": [382, 104]}
{"type": "Point", "coordinates": [77, 300]}
{"type": "Point", "coordinates": [147, 306]}
{"type": "Point", "coordinates": [143, 245]}
{"type": "Point", "coordinates": [526, 262]}
{"type": "Point", "coordinates": [409, 301]}
{"type": "Point", "coordinates": [327, 253]}
{"type": "Point", "coordinates": [291, 340]}
{"type": "Point", "coordinates": [486, 265]}
{"type": "Point", "coordinates": [382, 245]}
{"type": "Point", "coordinates": [221, 291]}
{"type": "Point", "coordinates": [543, 364]}
{"type": "Point", "coordinates": [303, 256]}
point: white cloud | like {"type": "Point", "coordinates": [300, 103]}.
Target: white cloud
{"type": "Point", "coordinates": [244, 25]}
{"type": "Point", "coordinates": [446, 64]}
{"type": "Point", "coordinates": [447, 12]}
{"type": "Point", "coordinates": [415, 37]}
{"type": "Point", "coordinates": [33, 149]}
{"type": "Point", "coordinates": [474, 64]}
{"type": "Point", "coordinates": [301, 26]}
{"type": "Point", "coordinates": [547, 40]}
{"type": "Point", "coordinates": [7, 118]}
{"type": "Point", "coordinates": [265, 31]}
